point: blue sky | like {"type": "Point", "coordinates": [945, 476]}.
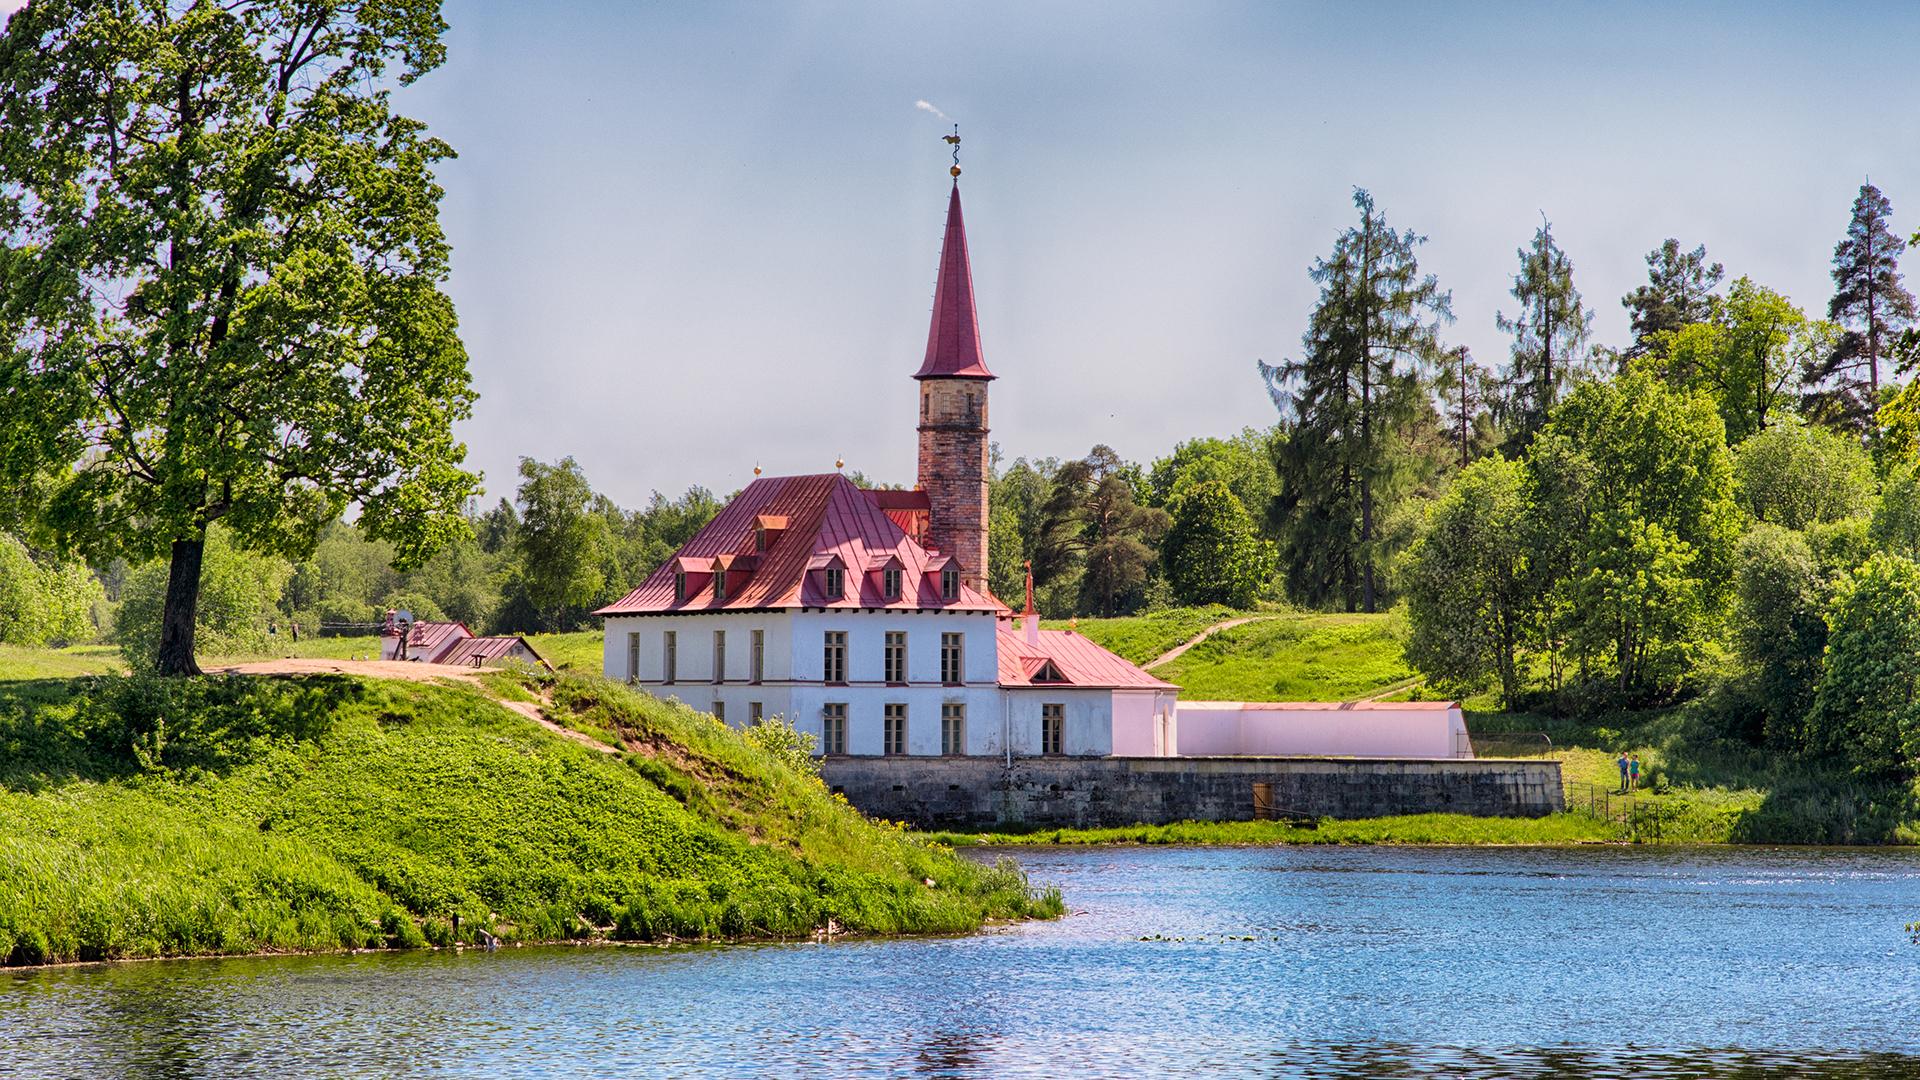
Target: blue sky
{"type": "Point", "coordinates": [691, 238]}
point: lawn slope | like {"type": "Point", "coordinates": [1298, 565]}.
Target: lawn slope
{"type": "Point", "coordinates": [146, 818]}
{"type": "Point", "coordinates": [1294, 657]}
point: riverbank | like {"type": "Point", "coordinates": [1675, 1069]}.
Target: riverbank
{"type": "Point", "coordinates": [1430, 830]}
{"type": "Point", "coordinates": [232, 815]}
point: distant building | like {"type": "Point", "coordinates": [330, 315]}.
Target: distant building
{"type": "Point", "coordinates": [452, 643]}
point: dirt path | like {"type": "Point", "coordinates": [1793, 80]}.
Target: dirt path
{"type": "Point", "coordinates": [1225, 624]}
{"type": "Point", "coordinates": [408, 671]}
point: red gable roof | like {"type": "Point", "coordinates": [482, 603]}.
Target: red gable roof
{"type": "Point", "coordinates": [953, 341]}
{"type": "Point", "coordinates": [827, 517]}
{"type": "Point", "coordinates": [1079, 660]}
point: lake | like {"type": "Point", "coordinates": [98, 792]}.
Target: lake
{"type": "Point", "coordinates": [1362, 962]}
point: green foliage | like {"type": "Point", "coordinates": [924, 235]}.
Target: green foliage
{"type": "Point", "coordinates": [1795, 475]}
{"type": "Point", "coordinates": [792, 749]}
{"type": "Point", "coordinates": [1092, 527]}
{"type": "Point", "coordinates": [331, 813]}
{"type": "Point", "coordinates": [1873, 305]}
{"type": "Point", "coordinates": [1748, 356]}
{"type": "Point", "coordinates": [1549, 331]}
{"type": "Point", "coordinates": [44, 602]}
{"type": "Point", "coordinates": [1211, 552]}
{"type": "Point", "coordinates": [1866, 710]}
{"type": "Point", "coordinates": [1244, 463]}
{"type": "Point", "coordinates": [1678, 293]}
{"type": "Point", "coordinates": [238, 592]}
{"type": "Point", "coordinates": [1779, 634]}
{"type": "Point", "coordinates": [253, 331]}
{"type": "Point", "coordinates": [1470, 597]}
{"type": "Point", "coordinates": [1895, 525]}
{"type": "Point", "coordinates": [1354, 388]}
{"type": "Point", "coordinates": [560, 546]}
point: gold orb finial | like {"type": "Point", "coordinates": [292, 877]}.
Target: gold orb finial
{"type": "Point", "coordinates": [839, 463]}
{"type": "Point", "coordinates": [953, 140]}
{"type": "Point", "coordinates": [756, 468]}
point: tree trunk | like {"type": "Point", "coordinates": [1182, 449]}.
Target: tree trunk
{"type": "Point", "coordinates": [183, 601]}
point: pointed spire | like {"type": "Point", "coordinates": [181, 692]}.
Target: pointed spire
{"type": "Point", "coordinates": [953, 342]}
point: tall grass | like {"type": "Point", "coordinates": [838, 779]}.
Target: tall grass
{"type": "Point", "coordinates": [146, 818]}
{"type": "Point", "coordinates": [1141, 638]}
{"type": "Point", "coordinates": [1294, 658]}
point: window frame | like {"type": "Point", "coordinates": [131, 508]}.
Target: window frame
{"type": "Point", "coordinates": [719, 710]}
{"type": "Point", "coordinates": [679, 586]}
{"type": "Point", "coordinates": [755, 712]}
{"type": "Point", "coordinates": [893, 729]}
{"type": "Point", "coordinates": [1053, 729]}
{"type": "Point", "coordinates": [953, 728]}
{"type": "Point", "coordinates": [835, 587]}
{"type": "Point", "coordinates": [893, 658]}
{"type": "Point", "coordinates": [633, 656]}
{"type": "Point", "coordinates": [892, 582]}
{"type": "Point", "coordinates": [719, 585]}
{"type": "Point", "coordinates": [719, 657]}
{"type": "Point", "coordinates": [833, 657]}
{"type": "Point", "coordinates": [833, 728]}
{"type": "Point", "coordinates": [953, 658]}
{"type": "Point", "coordinates": [949, 584]}
{"type": "Point", "coordinates": [757, 656]}
{"type": "Point", "coordinates": [669, 656]}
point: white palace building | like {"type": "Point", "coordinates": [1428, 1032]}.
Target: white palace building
{"type": "Point", "coordinates": [864, 618]}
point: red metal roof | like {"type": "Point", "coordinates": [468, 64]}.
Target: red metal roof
{"type": "Point", "coordinates": [953, 341]}
{"type": "Point", "coordinates": [1083, 663]}
{"type": "Point", "coordinates": [429, 640]}
{"type": "Point", "coordinates": [475, 652]}
{"type": "Point", "coordinates": [828, 517]}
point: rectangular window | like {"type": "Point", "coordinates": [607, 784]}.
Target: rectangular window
{"type": "Point", "coordinates": [835, 585]}
{"type": "Point", "coordinates": [719, 584]}
{"type": "Point", "coordinates": [633, 657]}
{"type": "Point", "coordinates": [670, 656]}
{"type": "Point", "coordinates": [753, 712]}
{"type": "Point", "coordinates": [759, 538]}
{"type": "Point", "coordinates": [759, 656]}
{"type": "Point", "coordinates": [949, 584]}
{"type": "Point", "coordinates": [890, 583]}
{"type": "Point", "coordinates": [895, 734]}
{"type": "Point", "coordinates": [953, 728]}
{"type": "Point", "coordinates": [833, 727]}
{"type": "Point", "coordinates": [719, 710]}
{"type": "Point", "coordinates": [896, 657]}
{"type": "Point", "coordinates": [952, 655]}
{"type": "Point", "coordinates": [679, 587]}
{"type": "Point", "coordinates": [834, 666]}
{"type": "Point", "coordinates": [1053, 729]}
{"type": "Point", "coordinates": [719, 656]}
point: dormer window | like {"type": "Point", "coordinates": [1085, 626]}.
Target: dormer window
{"type": "Point", "coordinates": [1047, 673]}
{"type": "Point", "coordinates": [759, 538]}
{"type": "Point", "coordinates": [836, 583]}
{"type": "Point", "coordinates": [949, 584]}
{"type": "Point", "coordinates": [890, 583]}
{"type": "Point", "coordinates": [719, 583]}
{"type": "Point", "coordinates": [679, 588]}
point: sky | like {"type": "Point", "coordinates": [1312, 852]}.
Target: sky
{"type": "Point", "coordinates": [692, 238]}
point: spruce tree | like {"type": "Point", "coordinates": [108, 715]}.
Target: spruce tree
{"type": "Point", "coordinates": [1678, 292]}
{"type": "Point", "coordinates": [1872, 304]}
{"type": "Point", "coordinates": [1357, 382]}
{"type": "Point", "coordinates": [1469, 395]}
{"type": "Point", "coordinates": [1549, 333]}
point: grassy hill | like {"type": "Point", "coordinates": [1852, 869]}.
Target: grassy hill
{"type": "Point", "coordinates": [1294, 657]}
{"type": "Point", "coordinates": [147, 818]}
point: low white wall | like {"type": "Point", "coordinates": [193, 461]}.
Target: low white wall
{"type": "Point", "coordinates": [1402, 729]}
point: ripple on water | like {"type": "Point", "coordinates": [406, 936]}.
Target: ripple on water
{"type": "Point", "coordinates": [1363, 962]}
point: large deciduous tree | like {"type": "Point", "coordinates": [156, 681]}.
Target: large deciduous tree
{"type": "Point", "coordinates": [1471, 600]}
{"type": "Point", "coordinates": [1866, 710]}
{"type": "Point", "coordinates": [1873, 305]}
{"type": "Point", "coordinates": [1549, 330]}
{"type": "Point", "coordinates": [220, 280]}
{"type": "Point", "coordinates": [1748, 354]}
{"type": "Point", "coordinates": [1678, 292]}
{"type": "Point", "coordinates": [1211, 552]}
{"type": "Point", "coordinates": [562, 545]}
{"type": "Point", "coordinates": [1356, 384]}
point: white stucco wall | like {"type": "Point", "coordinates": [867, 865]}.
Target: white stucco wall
{"type": "Point", "coordinates": [1213, 728]}
{"type": "Point", "coordinates": [1143, 722]}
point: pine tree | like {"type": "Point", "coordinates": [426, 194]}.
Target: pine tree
{"type": "Point", "coordinates": [1375, 328]}
{"type": "Point", "coordinates": [1468, 396]}
{"type": "Point", "coordinates": [1678, 292]}
{"type": "Point", "coordinates": [1549, 333]}
{"type": "Point", "coordinates": [1872, 304]}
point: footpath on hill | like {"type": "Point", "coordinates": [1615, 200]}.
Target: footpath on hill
{"type": "Point", "coordinates": [1178, 650]}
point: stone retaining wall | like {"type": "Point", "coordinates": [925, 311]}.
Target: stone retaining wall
{"type": "Point", "coordinates": [982, 792]}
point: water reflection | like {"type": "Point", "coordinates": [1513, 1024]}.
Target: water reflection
{"type": "Point", "coordinates": [1242, 962]}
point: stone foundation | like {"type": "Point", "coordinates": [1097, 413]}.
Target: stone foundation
{"type": "Point", "coordinates": [983, 793]}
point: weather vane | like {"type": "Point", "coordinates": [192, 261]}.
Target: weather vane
{"type": "Point", "coordinates": [953, 140]}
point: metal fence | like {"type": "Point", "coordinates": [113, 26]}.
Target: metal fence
{"type": "Point", "coordinates": [1639, 820]}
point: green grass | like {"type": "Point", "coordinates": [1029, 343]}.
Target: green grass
{"type": "Point", "coordinates": [1409, 829]}
{"type": "Point", "coordinates": [1141, 638]}
{"type": "Point", "coordinates": [143, 817]}
{"type": "Point", "coordinates": [579, 651]}
{"type": "Point", "coordinates": [1294, 657]}
{"type": "Point", "coordinates": [17, 663]}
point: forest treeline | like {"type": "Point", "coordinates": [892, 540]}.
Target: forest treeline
{"type": "Point", "coordinates": [1724, 502]}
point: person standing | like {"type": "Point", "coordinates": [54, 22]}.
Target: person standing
{"type": "Point", "coordinates": [1624, 766]}
{"type": "Point", "coordinates": [1633, 778]}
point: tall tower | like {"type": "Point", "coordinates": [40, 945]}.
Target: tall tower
{"type": "Point", "coordinates": [953, 412]}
